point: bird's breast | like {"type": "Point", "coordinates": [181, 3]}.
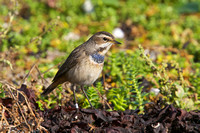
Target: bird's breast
{"type": "Point", "coordinates": [86, 72]}
{"type": "Point", "coordinates": [96, 58]}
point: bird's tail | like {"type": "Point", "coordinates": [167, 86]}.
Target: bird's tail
{"type": "Point", "coordinates": [51, 87]}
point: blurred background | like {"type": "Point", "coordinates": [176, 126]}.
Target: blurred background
{"type": "Point", "coordinates": [44, 32]}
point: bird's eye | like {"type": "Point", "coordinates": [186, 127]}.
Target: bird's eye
{"type": "Point", "coordinates": [105, 39]}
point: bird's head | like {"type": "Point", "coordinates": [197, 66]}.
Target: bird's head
{"type": "Point", "coordinates": [101, 42]}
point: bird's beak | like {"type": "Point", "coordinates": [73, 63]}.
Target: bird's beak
{"type": "Point", "coordinates": [116, 42]}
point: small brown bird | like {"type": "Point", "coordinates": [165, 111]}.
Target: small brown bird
{"type": "Point", "coordinates": [84, 64]}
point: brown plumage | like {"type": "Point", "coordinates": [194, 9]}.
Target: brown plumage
{"type": "Point", "coordinates": [80, 68]}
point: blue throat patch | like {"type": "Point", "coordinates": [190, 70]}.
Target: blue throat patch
{"type": "Point", "coordinates": [98, 58]}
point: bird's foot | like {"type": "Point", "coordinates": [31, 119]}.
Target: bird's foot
{"type": "Point", "coordinates": [76, 115]}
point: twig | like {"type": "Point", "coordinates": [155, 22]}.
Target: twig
{"type": "Point", "coordinates": [104, 100]}
{"type": "Point", "coordinates": [41, 75]}
{"type": "Point", "coordinates": [3, 117]}
{"type": "Point", "coordinates": [104, 86]}
{"type": "Point", "coordinates": [27, 102]}
{"type": "Point", "coordinates": [19, 107]}
{"type": "Point", "coordinates": [52, 67]}
{"type": "Point", "coordinates": [15, 118]}
{"type": "Point", "coordinates": [103, 76]}
{"type": "Point", "coordinates": [39, 122]}
{"type": "Point", "coordinates": [43, 128]}
{"type": "Point", "coordinates": [24, 80]}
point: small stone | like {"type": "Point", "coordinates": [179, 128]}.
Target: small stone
{"type": "Point", "coordinates": [88, 6]}
{"type": "Point", "coordinates": [156, 91]}
{"type": "Point", "coordinates": [118, 33]}
{"type": "Point", "coordinates": [71, 36]}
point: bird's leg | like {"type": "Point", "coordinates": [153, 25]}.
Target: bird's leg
{"type": "Point", "coordinates": [76, 104]}
{"type": "Point", "coordinates": [82, 88]}
{"type": "Point", "coordinates": [77, 113]}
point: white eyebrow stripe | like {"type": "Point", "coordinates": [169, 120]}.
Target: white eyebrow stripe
{"type": "Point", "coordinates": [101, 35]}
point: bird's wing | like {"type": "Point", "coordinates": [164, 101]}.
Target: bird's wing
{"type": "Point", "coordinates": [70, 62]}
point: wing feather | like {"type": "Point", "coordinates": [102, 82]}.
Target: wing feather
{"type": "Point", "coordinates": [70, 62]}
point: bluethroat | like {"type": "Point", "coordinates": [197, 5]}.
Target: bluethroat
{"type": "Point", "coordinates": [84, 64]}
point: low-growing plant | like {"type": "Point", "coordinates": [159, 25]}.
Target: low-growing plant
{"type": "Point", "coordinates": [95, 95]}
{"type": "Point", "coordinates": [174, 91]}
{"type": "Point", "coordinates": [123, 69]}
{"type": "Point", "coordinates": [2, 92]}
{"type": "Point", "coordinates": [128, 94]}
